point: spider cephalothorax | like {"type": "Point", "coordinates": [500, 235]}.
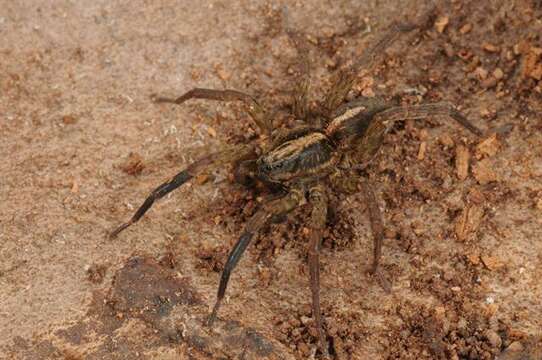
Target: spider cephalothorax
{"type": "Point", "coordinates": [311, 155]}
{"type": "Point", "coordinates": [304, 161]}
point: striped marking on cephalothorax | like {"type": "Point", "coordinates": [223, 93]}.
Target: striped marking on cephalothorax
{"type": "Point", "coordinates": [305, 156]}
{"type": "Point", "coordinates": [293, 148]}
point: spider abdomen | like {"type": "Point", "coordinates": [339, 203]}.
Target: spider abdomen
{"type": "Point", "coordinates": [310, 155]}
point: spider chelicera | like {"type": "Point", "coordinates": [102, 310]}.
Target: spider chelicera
{"type": "Point", "coordinates": [337, 141]}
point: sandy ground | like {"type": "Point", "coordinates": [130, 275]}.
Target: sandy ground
{"type": "Point", "coordinates": [83, 145]}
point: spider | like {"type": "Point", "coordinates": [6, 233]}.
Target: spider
{"type": "Point", "coordinates": [336, 143]}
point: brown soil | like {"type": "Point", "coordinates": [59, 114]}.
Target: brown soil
{"type": "Point", "coordinates": [83, 145]}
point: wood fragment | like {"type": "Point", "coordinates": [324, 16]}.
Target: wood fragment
{"type": "Point", "coordinates": [211, 131]}
{"type": "Point", "coordinates": [201, 179]}
{"type": "Point", "coordinates": [422, 150]}
{"type": "Point", "coordinates": [483, 172]}
{"type": "Point", "coordinates": [446, 140]}
{"type": "Point", "coordinates": [465, 29]}
{"type": "Point", "coordinates": [488, 147]}
{"type": "Point", "coordinates": [491, 48]}
{"type": "Point", "coordinates": [474, 258]}
{"type": "Point", "coordinates": [441, 23]}
{"type": "Point", "coordinates": [462, 157]}
{"type": "Point", "coordinates": [468, 221]}
{"type": "Point", "coordinates": [75, 187]}
{"type": "Point", "coordinates": [491, 262]}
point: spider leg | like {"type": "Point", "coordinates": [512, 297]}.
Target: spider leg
{"type": "Point", "coordinates": [343, 79]}
{"type": "Point", "coordinates": [256, 111]}
{"type": "Point", "coordinates": [350, 183]}
{"type": "Point", "coordinates": [218, 158]}
{"type": "Point", "coordinates": [301, 90]}
{"type": "Point", "coordinates": [260, 219]}
{"type": "Point", "coordinates": [383, 121]}
{"type": "Point", "coordinates": [319, 201]}
{"type": "Point", "coordinates": [423, 111]}
{"type": "Point", "coordinates": [375, 217]}
{"type": "Point", "coordinates": [245, 172]}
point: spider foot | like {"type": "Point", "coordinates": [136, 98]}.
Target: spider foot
{"type": "Point", "coordinates": [155, 98]}
{"type": "Point", "coordinates": [382, 281]}
{"type": "Point", "coordinates": [113, 234]}
{"type": "Point", "coordinates": [212, 317]}
{"type": "Point", "coordinates": [210, 321]}
{"type": "Point", "coordinates": [324, 349]}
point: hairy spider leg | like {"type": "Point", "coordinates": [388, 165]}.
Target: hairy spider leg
{"type": "Point", "coordinates": [319, 202]}
{"type": "Point", "coordinates": [384, 120]}
{"type": "Point", "coordinates": [245, 171]}
{"type": "Point", "coordinates": [423, 111]}
{"type": "Point", "coordinates": [260, 219]}
{"type": "Point", "coordinates": [259, 115]}
{"type": "Point", "coordinates": [377, 228]}
{"type": "Point", "coordinates": [343, 79]}
{"type": "Point", "coordinates": [414, 112]}
{"type": "Point", "coordinates": [302, 86]}
{"type": "Point", "coordinates": [229, 155]}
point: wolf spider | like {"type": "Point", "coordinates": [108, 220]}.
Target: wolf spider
{"type": "Point", "coordinates": [329, 151]}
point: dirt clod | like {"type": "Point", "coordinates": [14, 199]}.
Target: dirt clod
{"type": "Point", "coordinates": [484, 172]}
{"type": "Point", "coordinates": [133, 165]}
{"type": "Point", "coordinates": [69, 119]}
{"type": "Point", "coordinates": [212, 258]}
{"type": "Point", "coordinates": [492, 262]}
{"type": "Point", "coordinates": [96, 273]}
{"type": "Point", "coordinates": [493, 338]}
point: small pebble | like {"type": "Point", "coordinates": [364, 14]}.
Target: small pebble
{"type": "Point", "coordinates": [465, 29]}
{"type": "Point", "coordinates": [515, 347]}
{"type": "Point", "coordinates": [493, 338]}
{"type": "Point", "coordinates": [498, 73]}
